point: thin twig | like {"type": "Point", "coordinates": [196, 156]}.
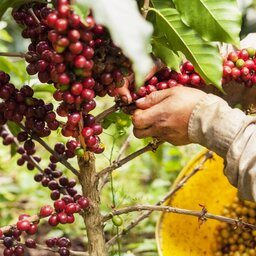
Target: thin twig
{"type": "Point", "coordinates": [134, 223]}
{"type": "Point", "coordinates": [208, 155]}
{"type": "Point", "coordinates": [145, 8]}
{"type": "Point", "coordinates": [55, 154]}
{"type": "Point", "coordinates": [13, 54]}
{"type": "Point", "coordinates": [124, 147]}
{"type": "Point", "coordinates": [31, 158]}
{"type": "Point", "coordinates": [152, 146]}
{"type": "Point", "coordinates": [31, 11]}
{"type": "Point", "coordinates": [106, 112]}
{"type": "Point", "coordinates": [42, 247]}
{"type": "Point", "coordinates": [201, 214]}
{"type": "Point", "coordinates": [105, 178]}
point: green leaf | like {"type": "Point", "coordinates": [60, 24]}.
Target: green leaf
{"type": "Point", "coordinates": [5, 36]}
{"type": "Point", "coordinates": [162, 49]}
{"type": "Point", "coordinates": [128, 30]}
{"type": "Point", "coordinates": [213, 20]}
{"type": "Point", "coordinates": [13, 127]}
{"type": "Point", "coordinates": [44, 88]}
{"type": "Point", "coordinates": [82, 11]}
{"type": "Point", "coordinates": [13, 150]}
{"type": "Point", "coordinates": [204, 55]}
{"type": "Point", "coordinates": [5, 4]}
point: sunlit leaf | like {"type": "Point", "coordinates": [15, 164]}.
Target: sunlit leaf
{"type": "Point", "coordinates": [213, 20]}
{"type": "Point", "coordinates": [204, 55]}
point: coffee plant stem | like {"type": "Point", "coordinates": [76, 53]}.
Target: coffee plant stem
{"type": "Point", "coordinates": [145, 8]}
{"type": "Point", "coordinates": [106, 112]}
{"type": "Point", "coordinates": [48, 148]}
{"type": "Point", "coordinates": [134, 223]}
{"type": "Point", "coordinates": [34, 16]}
{"type": "Point", "coordinates": [125, 145]}
{"type": "Point", "coordinates": [105, 178]}
{"type": "Point", "coordinates": [208, 155]}
{"type": "Point", "coordinates": [5, 127]}
{"type": "Point", "coordinates": [152, 146]}
{"type": "Point", "coordinates": [42, 247]}
{"type": "Point", "coordinates": [202, 215]}
{"type": "Point", "coordinates": [92, 217]}
{"type": "Point", "coordinates": [13, 54]}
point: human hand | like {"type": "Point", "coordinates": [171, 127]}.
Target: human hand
{"type": "Point", "coordinates": [165, 114]}
{"type": "Point", "coordinates": [124, 93]}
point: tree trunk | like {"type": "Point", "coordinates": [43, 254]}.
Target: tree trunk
{"type": "Point", "coordinates": [93, 217]}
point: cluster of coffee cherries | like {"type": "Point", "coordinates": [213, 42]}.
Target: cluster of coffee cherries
{"type": "Point", "coordinates": [18, 105]}
{"type": "Point", "coordinates": [63, 212]}
{"type": "Point", "coordinates": [167, 78]}
{"type": "Point", "coordinates": [78, 58]}
{"type": "Point", "coordinates": [234, 241]}
{"type": "Point", "coordinates": [61, 244]}
{"type": "Point", "coordinates": [241, 67]}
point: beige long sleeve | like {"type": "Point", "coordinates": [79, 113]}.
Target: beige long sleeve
{"type": "Point", "coordinates": [232, 135]}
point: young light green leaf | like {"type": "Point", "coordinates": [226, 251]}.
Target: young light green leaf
{"type": "Point", "coordinates": [204, 55]}
{"type": "Point", "coordinates": [162, 49]}
{"type": "Point", "coordinates": [213, 20]}
{"type": "Point", "coordinates": [5, 36]}
{"type": "Point", "coordinates": [128, 30]}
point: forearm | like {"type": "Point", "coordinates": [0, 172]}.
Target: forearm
{"type": "Point", "coordinates": [232, 135]}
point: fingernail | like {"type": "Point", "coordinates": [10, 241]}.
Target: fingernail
{"type": "Point", "coordinates": [141, 100]}
{"type": "Point", "coordinates": [124, 99]}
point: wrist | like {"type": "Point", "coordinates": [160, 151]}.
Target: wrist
{"type": "Point", "coordinates": [214, 124]}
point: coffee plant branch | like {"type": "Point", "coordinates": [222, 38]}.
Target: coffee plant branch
{"type": "Point", "coordinates": [145, 8]}
{"type": "Point", "coordinates": [31, 158]}
{"type": "Point", "coordinates": [42, 247]}
{"type": "Point", "coordinates": [134, 223]}
{"type": "Point", "coordinates": [106, 112]}
{"type": "Point", "coordinates": [202, 215]}
{"type": "Point", "coordinates": [152, 146]}
{"type": "Point", "coordinates": [48, 148]}
{"type": "Point", "coordinates": [13, 54]}
{"type": "Point", "coordinates": [125, 145]}
{"type": "Point", "coordinates": [208, 155]}
{"type": "Point", "coordinates": [34, 16]}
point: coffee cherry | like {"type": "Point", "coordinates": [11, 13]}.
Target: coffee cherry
{"type": "Point", "coordinates": [117, 220]}
{"type": "Point", "coordinates": [62, 217]}
{"type": "Point", "coordinates": [46, 211]}
{"type": "Point", "coordinates": [30, 243]}
{"type": "Point", "coordinates": [83, 202]}
{"type": "Point", "coordinates": [8, 242]}
{"type": "Point", "coordinates": [59, 205]}
{"type": "Point", "coordinates": [53, 220]}
{"type": "Point", "coordinates": [64, 251]}
{"type": "Point", "coordinates": [23, 225]}
{"type": "Point", "coordinates": [32, 229]}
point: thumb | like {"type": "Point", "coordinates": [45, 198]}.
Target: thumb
{"type": "Point", "coordinates": [153, 99]}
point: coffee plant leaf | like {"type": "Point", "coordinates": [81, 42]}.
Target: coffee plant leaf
{"type": "Point", "coordinates": [203, 55]}
{"type": "Point", "coordinates": [5, 4]}
{"type": "Point", "coordinates": [128, 30]}
{"type": "Point", "coordinates": [13, 127]}
{"type": "Point", "coordinates": [213, 20]}
{"type": "Point", "coordinates": [162, 49]}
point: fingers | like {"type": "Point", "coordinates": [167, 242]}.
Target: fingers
{"type": "Point", "coordinates": [142, 119]}
{"type": "Point", "coordinates": [158, 64]}
{"type": "Point", "coordinates": [124, 92]}
{"type": "Point", "coordinates": [143, 133]}
{"type": "Point", "coordinates": [153, 99]}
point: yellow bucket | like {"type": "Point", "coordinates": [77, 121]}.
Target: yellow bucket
{"type": "Point", "coordinates": [182, 235]}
